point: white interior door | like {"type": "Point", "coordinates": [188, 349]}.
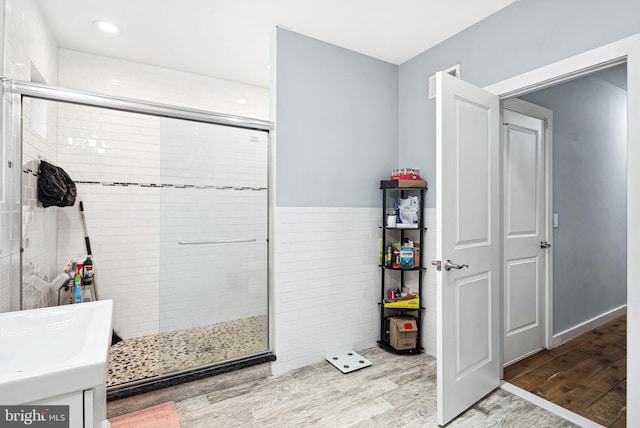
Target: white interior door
{"type": "Point", "coordinates": [467, 233]}
{"type": "Point", "coordinates": [525, 231]}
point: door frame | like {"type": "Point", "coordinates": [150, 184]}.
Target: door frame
{"type": "Point", "coordinates": [622, 51]}
{"type": "Point", "coordinates": [546, 116]}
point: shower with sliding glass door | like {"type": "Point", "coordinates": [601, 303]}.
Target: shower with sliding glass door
{"type": "Point", "coordinates": [176, 208]}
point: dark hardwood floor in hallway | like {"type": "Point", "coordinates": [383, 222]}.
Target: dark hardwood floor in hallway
{"type": "Point", "coordinates": [587, 375]}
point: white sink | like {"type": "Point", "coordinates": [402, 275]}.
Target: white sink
{"type": "Point", "coordinates": [53, 351]}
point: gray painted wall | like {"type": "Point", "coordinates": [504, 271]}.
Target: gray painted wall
{"type": "Point", "coordinates": [589, 195]}
{"type": "Point", "coordinates": [522, 37]}
{"type": "Point", "coordinates": [336, 118]}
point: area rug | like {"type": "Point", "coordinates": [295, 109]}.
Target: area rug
{"type": "Point", "coordinates": [161, 416]}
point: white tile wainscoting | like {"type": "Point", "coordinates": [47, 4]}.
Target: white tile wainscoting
{"type": "Point", "coordinates": [327, 282]}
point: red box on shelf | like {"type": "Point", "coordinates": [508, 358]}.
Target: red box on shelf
{"type": "Point", "coordinates": [405, 174]}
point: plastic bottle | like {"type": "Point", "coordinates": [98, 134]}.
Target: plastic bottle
{"type": "Point", "coordinates": [396, 256]}
{"type": "Point", "coordinates": [87, 271]}
{"type": "Point", "coordinates": [388, 255]}
{"type": "Point", "coordinates": [77, 289]}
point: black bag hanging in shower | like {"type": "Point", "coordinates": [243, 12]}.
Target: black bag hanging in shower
{"type": "Point", "coordinates": [55, 187]}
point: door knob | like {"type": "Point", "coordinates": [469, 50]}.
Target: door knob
{"type": "Point", "coordinates": [450, 265]}
{"type": "Point", "coordinates": [544, 244]}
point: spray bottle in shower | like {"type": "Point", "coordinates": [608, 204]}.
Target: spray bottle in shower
{"type": "Point", "coordinates": [77, 285]}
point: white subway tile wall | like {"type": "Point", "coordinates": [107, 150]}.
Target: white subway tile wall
{"type": "Point", "coordinates": [30, 52]}
{"type": "Point", "coordinates": [28, 42]}
{"type": "Point", "coordinates": [146, 82]}
{"type": "Point", "coordinates": [328, 283]}
{"type": "Point", "coordinates": [211, 283]}
{"type": "Point", "coordinates": [39, 224]}
{"type": "Point", "coordinates": [9, 216]}
{"type": "Point", "coordinates": [206, 155]}
{"type": "Point", "coordinates": [123, 224]}
{"type": "Point", "coordinates": [96, 144]}
{"type": "Point", "coordinates": [430, 321]}
{"type": "Point", "coordinates": [227, 199]}
{"type": "Point", "coordinates": [119, 147]}
{"type": "Point", "coordinates": [135, 223]}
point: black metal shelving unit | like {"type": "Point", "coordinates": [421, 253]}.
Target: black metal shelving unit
{"type": "Point", "coordinates": [402, 233]}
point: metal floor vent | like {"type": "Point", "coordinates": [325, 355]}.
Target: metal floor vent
{"type": "Point", "coordinates": [348, 362]}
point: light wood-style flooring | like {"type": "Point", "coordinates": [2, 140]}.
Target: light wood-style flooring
{"type": "Point", "coordinates": [587, 375]}
{"type": "Point", "coordinates": [396, 391]}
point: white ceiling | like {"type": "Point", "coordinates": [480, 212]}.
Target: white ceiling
{"type": "Point", "coordinates": [229, 39]}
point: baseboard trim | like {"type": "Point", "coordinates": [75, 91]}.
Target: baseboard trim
{"type": "Point", "coordinates": [576, 331]}
{"type": "Point", "coordinates": [549, 406]}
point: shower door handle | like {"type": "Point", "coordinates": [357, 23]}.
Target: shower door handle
{"type": "Point", "coordinates": [216, 241]}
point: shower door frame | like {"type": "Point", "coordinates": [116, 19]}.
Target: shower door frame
{"type": "Point", "coordinates": [18, 89]}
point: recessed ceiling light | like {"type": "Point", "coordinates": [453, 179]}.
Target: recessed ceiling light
{"type": "Point", "coordinates": [107, 27]}
{"type": "Point", "coordinates": [241, 101]}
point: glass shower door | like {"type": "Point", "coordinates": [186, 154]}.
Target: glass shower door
{"type": "Point", "coordinates": [213, 291]}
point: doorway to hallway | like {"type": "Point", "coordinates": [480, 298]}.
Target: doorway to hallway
{"type": "Point", "coordinates": [588, 281]}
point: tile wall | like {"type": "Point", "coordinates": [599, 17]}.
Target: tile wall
{"type": "Point", "coordinates": [226, 170]}
{"type": "Point", "coordinates": [147, 183]}
{"type": "Point", "coordinates": [9, 215]}
{"type": "Point", "coordinates": [28, 47]}
{"type": "Point", "coordinates": [328, 283]}
{"type": "Point", "coordinates": [39, 225]}
{"type": "Point", "coordinates": [110, 76]}
{"type": "Point", "coordinates": [99, 148]}
{"type": "Point", "coordinates": [134, 225]}
{"type": "Point", "coordinates": [430, 327]}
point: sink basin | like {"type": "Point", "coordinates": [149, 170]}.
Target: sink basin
{"type": "Point", "coordinates": [53, 351]}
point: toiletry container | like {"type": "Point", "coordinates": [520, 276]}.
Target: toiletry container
{"type": "Point", "coordinates": [388, 256]}
{"type": "Point", "coordinates": [87, 271]}
{"type": "Point", "coordinates": [77, 289]}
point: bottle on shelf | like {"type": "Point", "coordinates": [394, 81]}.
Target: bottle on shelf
{"type": "Point", "coordinates": [406, 255]}
{"type": "Point", "coordinates": [396, 256]}
{"type": "Point", "coordinates": [388, 255]}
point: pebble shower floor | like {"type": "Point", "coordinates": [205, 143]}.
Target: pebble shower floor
{"type": "Point", "coordinates": [149, 356]}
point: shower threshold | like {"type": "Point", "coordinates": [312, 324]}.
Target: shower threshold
{"type": "Point", "coordinates": [153, 384]}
